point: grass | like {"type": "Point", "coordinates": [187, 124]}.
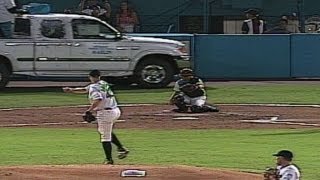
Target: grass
{"type": "Point", "coordinates": [249, 150]}
{"type": "Point", "coordinates": [275, 93]}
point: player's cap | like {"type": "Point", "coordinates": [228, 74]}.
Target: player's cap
{"type": "Point", "coordinates": [288, 155]}
{"type": "Point", "coordinates": [95, 73]}
{"type": "Point", "coordinates": [186, 72]}
{"type": "Point", "coordinates": [252, 12]}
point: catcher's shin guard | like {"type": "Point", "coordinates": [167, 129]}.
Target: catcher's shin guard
{"type": "Point", "coordinates": [196, 109]}
{"type": "Point", "coordinates": [179, 102]}
{"type": "Point", "coordinates": [208, 108]}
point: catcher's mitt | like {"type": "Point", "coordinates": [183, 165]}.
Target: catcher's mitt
{"type": "Point", "coordinates": [270, 174]}
{"type": "Point", "coordinates": [88, 117]}
{"type": "Point", "coordinates": [192, 90]}
{"type": "Point", "coordinates": [188, 88]}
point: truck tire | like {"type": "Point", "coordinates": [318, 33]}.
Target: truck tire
{"type": "Point", "coordinates": [154, 72]}
{"type": "Point", "coordinates": [4, 76]}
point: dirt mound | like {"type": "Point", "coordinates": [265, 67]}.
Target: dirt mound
{"type": "Point", "coordinates": [96, 172]}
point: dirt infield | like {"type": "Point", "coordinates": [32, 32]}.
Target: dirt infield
{"type": "Point", "coordinates": [160, 117]}
{"type": "Point", "coordinates": [153, 117]}
{"type": "Point", "coordinates": [90, 172]}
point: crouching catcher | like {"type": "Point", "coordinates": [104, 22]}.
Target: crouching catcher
{"type": "Point", "coordinates": [189, 92]}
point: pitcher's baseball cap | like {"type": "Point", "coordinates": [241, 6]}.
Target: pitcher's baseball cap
{"type": "Point", "coordinates": [95, 73]}
{"type": "Point", "coordinates": [288, 155]}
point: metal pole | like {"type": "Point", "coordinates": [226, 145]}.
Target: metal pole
{"type": "Point", "coordinates": [205, 16]}
{"type": "Point", "coordinates": [178, 20]}
{"type": "Point", "coordinates": [301, 15]}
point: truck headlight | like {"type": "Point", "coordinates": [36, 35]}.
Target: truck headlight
{"type": "Point", "coordinates": [183, 49]}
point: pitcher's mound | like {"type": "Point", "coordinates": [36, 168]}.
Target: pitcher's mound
{"type": "Point", "coordinates": [87, 172]}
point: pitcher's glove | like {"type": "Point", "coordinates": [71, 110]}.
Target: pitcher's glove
{"type": "Point", "coordinates": [270, 174]}
{"type": "Point", "coordinates": [88, 117]}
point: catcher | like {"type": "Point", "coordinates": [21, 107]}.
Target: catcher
{"type": "Point", "coordinates": [285, 169]}
{"type": "Point", "coordinates": [189, 92]}
{"type": "Point", "coordinates": [104, 104]}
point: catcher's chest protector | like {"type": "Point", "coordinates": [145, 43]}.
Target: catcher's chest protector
{"type": "Point", "coordinates": [188, 87]}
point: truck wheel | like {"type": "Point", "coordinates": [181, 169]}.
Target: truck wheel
{"type": "Point", "coordinates": [4, 76]}
{"type": "Point", "coordinates": [154, 73]}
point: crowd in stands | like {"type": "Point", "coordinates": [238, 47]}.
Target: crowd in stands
{"type": "Point", "coordinates": [255, 25]}
{"type": "Point", "coordinates": [125, 18]}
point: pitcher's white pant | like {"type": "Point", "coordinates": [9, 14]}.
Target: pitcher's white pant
{"type": "Point", "coordinates": [106, 119]}
{"type": "Point", "coordinates": [197, 101]}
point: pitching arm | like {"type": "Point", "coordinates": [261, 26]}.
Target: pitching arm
{"type": "Point", "coordinates": [78, 90]}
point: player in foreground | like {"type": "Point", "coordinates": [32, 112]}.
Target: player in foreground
{"type": "Point", "coordinates": [104, 104]}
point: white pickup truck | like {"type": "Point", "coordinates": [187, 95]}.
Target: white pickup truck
{"type": "Point", "coordinates": [70, 45]}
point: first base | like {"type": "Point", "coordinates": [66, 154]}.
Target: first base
{"type": "Point", "coordinates": [133, 173]}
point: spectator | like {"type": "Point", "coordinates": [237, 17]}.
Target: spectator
{"type": "Point", "coordinates": [92, 8]}
{"type": "Point", "coordinates": [127, 18]}
{"type": "Point", "coordinates": [282, 28]}
{"type": "Point", "coordinates": [253, 24]}
{"type": "Point", "coordinates": [293, 23]}
{"type": "Point", "coordinates": [7, 8]}
{"type": "Point", "coordinates": [86, 6]}
{"type": "Point", "coordinates": [106, 11]}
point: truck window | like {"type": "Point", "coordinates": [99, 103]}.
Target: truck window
{"type": "Point", "coordinates": [22, 27]}
{"type": "Point", "coordinates": [90, 29]}
{"type": "Point", "coordinates": [52, 29]}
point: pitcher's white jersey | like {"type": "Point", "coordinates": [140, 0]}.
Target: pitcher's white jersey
{"type": "Point", "coordinates": [107, 110]}
{"type": "Point", "coordinates": [290, 172]}
{"type": "Point", "coordinates": [102, 91]}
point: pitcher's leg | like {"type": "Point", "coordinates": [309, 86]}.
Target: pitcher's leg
{"type": "Point", "coordinates": [105, 125]}
{"type": "Point", "coordinates": [116, 141]}
{"type": "Point", "coordinates": [107, 147]}
{"type": "Point", "coordinates": [122, 151]}
{"type": "Point", "coordinates": [105, 130]}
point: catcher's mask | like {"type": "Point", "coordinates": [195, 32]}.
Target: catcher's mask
{"type": "Point", "coordinates": [186, 72]}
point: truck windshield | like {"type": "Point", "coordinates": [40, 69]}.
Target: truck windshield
{"type": "Point", "coordinates": [91, 29]}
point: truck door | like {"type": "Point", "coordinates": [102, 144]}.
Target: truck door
{"type": "Point", "coordinates": [53, 51]}
{"type": "Point", "coordinates": [21, 47]}
{"type": "Point", "coordinates": [95, 46]}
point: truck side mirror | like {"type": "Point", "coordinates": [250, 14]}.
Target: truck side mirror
{"type": "Point", "coordinates": [118, 35]}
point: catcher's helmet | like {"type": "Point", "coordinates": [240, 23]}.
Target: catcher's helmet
{"type": "Point", "coordinates": [186, 72]}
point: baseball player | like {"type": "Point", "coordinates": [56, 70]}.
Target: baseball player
{"type": "Point", "coordinates": [104, 104]}
{"type": "Point", "coordinates": [285, 170]}
{"type": "Point", "coordinates": [189, 91]}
